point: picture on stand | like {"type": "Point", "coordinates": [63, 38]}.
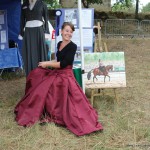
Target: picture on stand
{"type": "Point", "coordinates": [104, 70]}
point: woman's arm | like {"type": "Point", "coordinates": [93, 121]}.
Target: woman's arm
{"type": "Point", "coordinates": [53, 64]}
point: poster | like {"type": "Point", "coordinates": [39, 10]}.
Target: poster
{"type": "Point", "coordinates": [87, 40]}
{"type": "Point", "coordinates": [3, 30]}
{"type": "Point", "coordinates": [71, 15]}
{"type": "Point", "coordinates": [104, 70]}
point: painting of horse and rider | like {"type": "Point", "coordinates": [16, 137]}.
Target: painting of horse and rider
{"type": "Point", "coordinates": [106, 69]}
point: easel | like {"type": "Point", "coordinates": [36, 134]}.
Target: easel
{"type": "Point", "coordinates": [98, 48]}
{"type": "Point", "coordinates": [98, 41]}
{"type": "Point", "coordinates": [101, 92]}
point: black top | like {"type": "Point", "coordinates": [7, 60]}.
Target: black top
{"type": "Point", "coordinates": [66, 55]}
{"type": "Point", "coordinates": [39, 12]}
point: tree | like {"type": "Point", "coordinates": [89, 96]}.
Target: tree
{"type": "Point", "coordinates": [52, 4]}
{"type": "Point", "coordinates": [123, 5]}
{"type": "Point", "coordinates": [127, 3]}
{"type": "Point", "coordinates": [87, 3]}
{"type": "Point", "coordinates": [137, 9]}
{"type": "Point", "coordinates": [146, 8]}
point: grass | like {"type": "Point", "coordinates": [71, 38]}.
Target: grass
{"type": "Point", "coordinates": [126, 126]}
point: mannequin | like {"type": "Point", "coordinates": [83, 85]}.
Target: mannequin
{"type": "Point", "coordinates": [32, 3]}
{"type": "Point", "coordinates": [34, 25]}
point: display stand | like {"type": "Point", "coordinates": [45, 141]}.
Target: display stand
{"type": "Point", "coordinates": [98, 40]}
{"type": "Point", "coordinates": [101, 91]}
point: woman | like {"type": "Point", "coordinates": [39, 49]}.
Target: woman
{"type": "Point", "coordinates": [101, 66]}
{"type": "Point", "coordinates": [55, 96]}
{"type": "Point", "coordinates": [34, 25]}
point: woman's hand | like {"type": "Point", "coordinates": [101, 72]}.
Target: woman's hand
{"type": "Point", "coordinates": [43, 64]}
{"type": "Point", "coordinates": [52, 64]}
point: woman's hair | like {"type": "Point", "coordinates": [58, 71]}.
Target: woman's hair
{"type": "Point", "coordinates": [68, 24]}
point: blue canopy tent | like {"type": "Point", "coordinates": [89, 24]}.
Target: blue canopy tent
{"type": "Point", "coordinates": [10, 57]}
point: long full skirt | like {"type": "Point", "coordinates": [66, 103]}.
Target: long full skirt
{"type": "Point", "coordinates": [55, 96]}
{"type": "Point", "coordinates": [34, 48]}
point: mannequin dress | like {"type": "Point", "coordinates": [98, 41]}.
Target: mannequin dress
{"type": "Point", "coordinates": [34, 25]}
{"type": "Point", "coordinates": [55, 96]}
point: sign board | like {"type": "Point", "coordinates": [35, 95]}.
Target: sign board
{"type": "Point", "coordinates": [3, 30]}
{"type": "Point", "coordinates": [71, 15]}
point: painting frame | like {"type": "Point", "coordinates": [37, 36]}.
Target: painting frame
{"type": "Point", "coordinates": [114, 68]}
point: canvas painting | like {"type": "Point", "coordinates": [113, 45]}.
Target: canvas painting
{"type": "Point", "coordinates": [104, 70]}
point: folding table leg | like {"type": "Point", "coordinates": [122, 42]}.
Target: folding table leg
{"type": "Point", "coordinates": [1, 74]}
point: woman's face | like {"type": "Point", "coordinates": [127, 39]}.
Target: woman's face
{"type": "Point", "coordinates": [66, 33]}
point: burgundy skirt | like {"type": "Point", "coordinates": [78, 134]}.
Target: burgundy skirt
{"type": "Point", "coordinates": [55, 96]}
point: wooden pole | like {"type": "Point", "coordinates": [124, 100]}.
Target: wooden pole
{"type": "Point", "coordinates": [99, 38]}
{"type": "Point", "coordinates": [105, 47]}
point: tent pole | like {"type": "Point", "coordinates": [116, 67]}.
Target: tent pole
{"type": "Point", "coordinates": [81, 41]}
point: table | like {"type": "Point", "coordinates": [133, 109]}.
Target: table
{"type": "Point", "coordinates": [10, 58]}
